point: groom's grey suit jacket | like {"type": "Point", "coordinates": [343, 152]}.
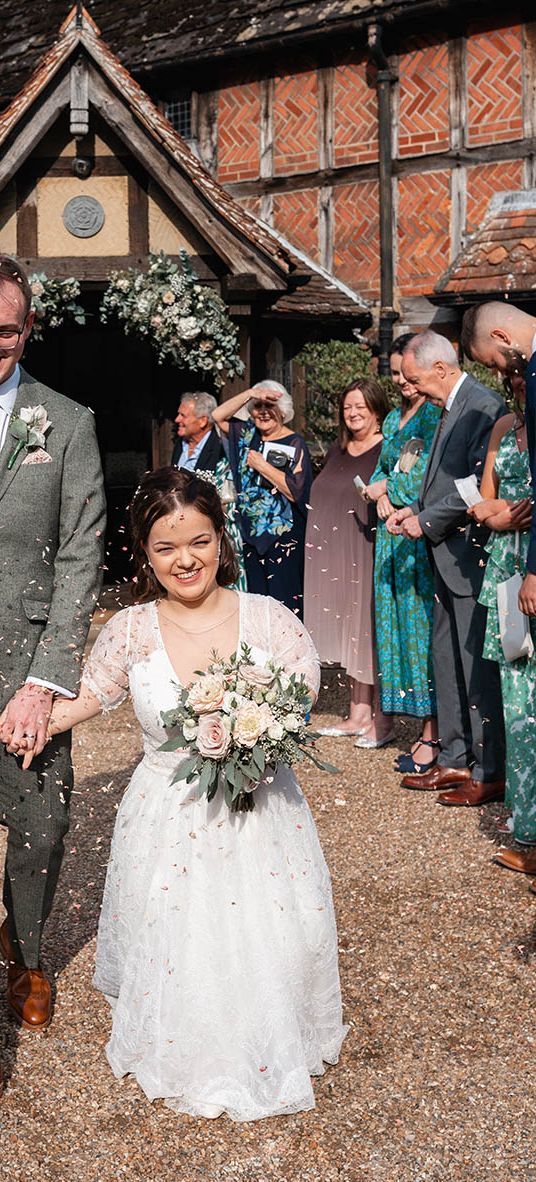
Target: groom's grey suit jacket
{"type": "Point", "coordinates": [458, 449]}
{"type": "Point", "coordinates": [52, 518]}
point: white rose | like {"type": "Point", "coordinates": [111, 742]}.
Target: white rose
{"type": "Point", "coordinates": [267, 718]}
{"type": "Point", "coordinates": [190, 730]}
{"type": "Point", "coordinates": [232, 701]}
{"type": "Point", "coordinates": [248, 725]}
{"type": "Point", "coordinates": [35, 417]}
{"type": "Point", "coordinates": [276, 732]}
{"type": "Point", "coordinates": [271, 697]}
{"type": "Point", "coordinates": [206, 694]}
{"type": "Point", "coordinates": [188, 327]}
{"type": "Point", "coordinates": [292, 722]}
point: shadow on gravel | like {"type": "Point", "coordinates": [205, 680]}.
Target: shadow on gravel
{"type": "Point", "coordinates": [75, 915]}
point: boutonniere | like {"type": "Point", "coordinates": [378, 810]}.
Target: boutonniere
{"type": "Point", "coordinates": [28, 428]}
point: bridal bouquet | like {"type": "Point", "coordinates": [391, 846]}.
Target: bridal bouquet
{"type": "Point", "coordinates": [235, 723]}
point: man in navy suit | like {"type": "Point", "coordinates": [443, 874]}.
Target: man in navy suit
{"type": "Point", "coordinates": [503, 337]}
{"type": "Point", "coordinates": [198, 446]}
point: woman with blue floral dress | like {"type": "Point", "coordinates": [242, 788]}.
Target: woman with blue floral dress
{"type": "Point", "coordinates": [403, 579]}
{"type": "Point", "coordinates": [506, 508]}
{"type": "Point", "coordinates": [272, 473]}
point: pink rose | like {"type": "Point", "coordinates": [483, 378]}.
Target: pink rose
{"type": "Point", "coordinates": [213, 737]}
{"type": "Point", "coordinates": [257, 675]}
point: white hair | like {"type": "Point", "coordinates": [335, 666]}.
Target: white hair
{"type": "Point", "coordinates": [284, 405]}
{"type": "Point", "coordinates": [203, 403]}
{"type": "Point", "coordinates": [428, 347]}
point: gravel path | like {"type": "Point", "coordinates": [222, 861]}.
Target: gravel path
{"type": "Point", "coordinates": [436, 1076]}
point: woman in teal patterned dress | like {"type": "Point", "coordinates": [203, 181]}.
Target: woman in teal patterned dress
{"type": "Point", "coordinates": [506, 486]}
{"type": "Point", "coordinates": [403, 580]}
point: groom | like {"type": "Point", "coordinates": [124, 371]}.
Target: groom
{"type": "Point", "coordinates": [51, 525]}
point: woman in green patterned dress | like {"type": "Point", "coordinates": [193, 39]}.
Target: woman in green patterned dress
{"type": "Point", "coordinates": [403, 580]}
{"type": "Point", "coordinates": [506, 509]}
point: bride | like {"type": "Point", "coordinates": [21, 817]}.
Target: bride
{"type": "Point", "coordinates": [217, 947]}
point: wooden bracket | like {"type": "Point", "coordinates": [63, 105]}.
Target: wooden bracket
{"type": "Point", "coordinates": [79, 115]}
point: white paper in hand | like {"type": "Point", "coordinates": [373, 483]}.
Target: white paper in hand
{"type": "Point", "coordinates": [468, 489]}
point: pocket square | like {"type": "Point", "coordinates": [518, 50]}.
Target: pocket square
{"type": "Point", "coordinates": [39, 456]}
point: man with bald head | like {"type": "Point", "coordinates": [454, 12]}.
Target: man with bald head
{"type": "Point", "coordinates": [503, 337]}
{"type": "Point", "coordinates": [470, 766]}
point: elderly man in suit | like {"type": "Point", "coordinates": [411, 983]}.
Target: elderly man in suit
{"type": "Point", "coordinates": [470, 767]}
{"type": "Point", "coordinates": [198, 443]}
{"type": "Point", "coordinates": [51, 527]}
{"type": "Point", "coordinates": [503, 337]}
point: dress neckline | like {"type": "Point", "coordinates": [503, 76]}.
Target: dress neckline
{"type": "Point", "coordinates": [160, 638]}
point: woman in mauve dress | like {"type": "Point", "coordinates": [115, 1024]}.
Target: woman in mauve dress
{"type": "Point", "coordinates": [339, 559]}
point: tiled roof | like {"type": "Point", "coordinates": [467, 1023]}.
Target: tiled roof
{"type": "Point", "coordinates": [327, 296]}
{"type": "Point", "coordinates": [501, 256]}
{"type": "Point", "coordinates": [323, 295]}
{"type": "Point", "coordinates": [148, 34]}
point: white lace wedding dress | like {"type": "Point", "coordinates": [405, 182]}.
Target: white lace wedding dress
{"type": "Point", "coordinates": [217, 945]}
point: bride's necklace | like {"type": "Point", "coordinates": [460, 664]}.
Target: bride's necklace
{"type": "Point", "coordinates": [199, 631]}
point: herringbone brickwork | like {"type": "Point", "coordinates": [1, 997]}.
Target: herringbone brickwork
{"type": "Point", "coordinates": [238, 132]}
{"type": "Point", "coordinates": [424, 97]}
{"type": "Point", "coordinates": [423, 231]}
{"type": "Point", "coordinates": [494, 79]}
{"type": "Point", "coordinates": [356, 256]}
{"type": "Point", "coordinates": [483, 181]}
{"type": "Point", "coordinates": [296, 123]}
{"type": "Point", "coordinates": [356, 115]}
{"type": "Point", "coordinates": [252, 204]}
{"type": "Point", "coordinates": [296, 216]}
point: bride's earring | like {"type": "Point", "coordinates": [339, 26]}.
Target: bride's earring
{"type": "Point", "coordinates": [219, 549]}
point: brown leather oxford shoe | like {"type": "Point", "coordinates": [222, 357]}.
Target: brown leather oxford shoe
{"type": "Point", "coordinates": [523, 861]}
{"type": "Point", "coordinates": [473, 793]}
{"type": "Point", "coordinates": [438, 777]}
{"type": "Point", "coordinates": [28, 993]}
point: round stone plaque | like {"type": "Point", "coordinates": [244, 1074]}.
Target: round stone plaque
{"type": "Point", "coordinates": [83, 216]}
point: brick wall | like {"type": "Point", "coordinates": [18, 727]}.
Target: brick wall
{"type": "Point", "coordinates": [355, 139]}
{"type": "Point", "coordinates": [423, 97]}
{"type": "Point", "coordinates": [423, 231]}
{"type": "Point", "coordinates": [296, 215]}
{"type": "Point", "coordinates": [295, 123]}
{"type": "Point", "coordinates": [485, 108]}
{"type": "Point", "coordinates": [239, 110]}
{"type": "Point", "coordinates": [494, 83]}
{"type": "Point", "coordinates": [356, 255]}
{"type": "Point", "coordinates": [483, 181]}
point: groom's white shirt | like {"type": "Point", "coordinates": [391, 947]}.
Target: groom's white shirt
{"type": "Point", "coordinates": [8, 395]}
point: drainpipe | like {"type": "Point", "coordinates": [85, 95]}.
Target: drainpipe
{"type": "Point", "coordinates": [386, 78]}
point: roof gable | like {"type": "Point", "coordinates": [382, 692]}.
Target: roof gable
{"type": "Point", "coordinates": [233, 234]}
{"type": "Point", "coordinates": [80, 74]}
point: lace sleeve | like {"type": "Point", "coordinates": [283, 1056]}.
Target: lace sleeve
{"type": "Point", "coordinates": [106, 670]}
{"type": "Point", "coordinates": [291, 645]}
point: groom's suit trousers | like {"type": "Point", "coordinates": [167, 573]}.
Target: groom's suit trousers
{"type": "Point", "coordinates": [34, 805]}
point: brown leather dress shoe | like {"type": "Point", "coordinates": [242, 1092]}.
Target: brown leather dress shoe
{"type": "Point", "coordinates": [28, 993]}
{"type": "Point", "coordinates": [473, 793]}
{"type": "Point", "coordinates": [438, 777]}
{"type": "Point", "coordinates": [522, 860]}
